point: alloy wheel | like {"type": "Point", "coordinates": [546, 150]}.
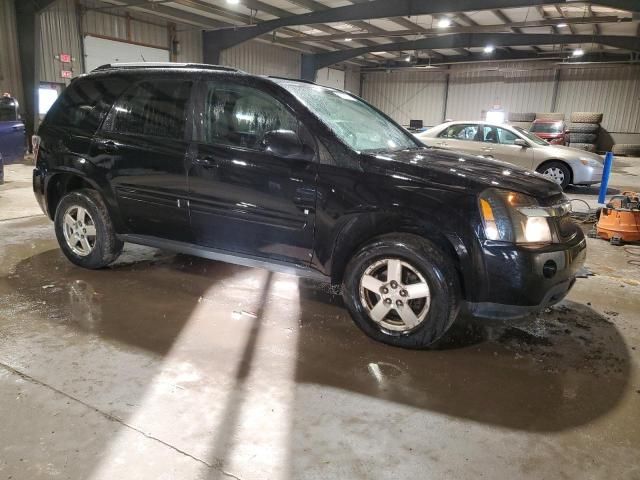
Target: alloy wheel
{"type": "Point", "coordinates": [79, 230]}
{"type": "Point", "coordinates": [395, 295]}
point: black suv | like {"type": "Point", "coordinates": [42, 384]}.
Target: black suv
{"type": "Point", "coordinates": [295, 177]}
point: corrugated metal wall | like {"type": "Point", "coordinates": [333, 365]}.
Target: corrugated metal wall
{"type": "Point", "coordinates": [352, 80]}
{"type": "Point", "coordinates": [615, 91]}
{"type": "Point", "coordinates": [513, 86]}
{"type": "Point", "coordinates": [408, 95]}
{"type": "Point", "coordinates": [10, 78]}
{"type": "Point", "coordinates": [59, 34]}
{"type": "Point", "coordinates": [190, 48]}
{"type": "Point", "coordinates": [261, 58]}
{"type": "Point", "coordinates": [516, 87]}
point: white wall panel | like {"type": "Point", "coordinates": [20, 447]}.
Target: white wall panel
{"type": "Point", "coordinates": [352, 80]}
{"type": "Point", "coordinates": [515, 87]}
{"type": "Point", "coordinates": [331, 77]}
{"type": "Point", "coordinates": [614, 91]}
{"type": "Point", "coordinates": [190, 47]}
{"type": "Point", "coordinates": [407, 96]}
{"type": "Point", "coordinates": [261, 58]}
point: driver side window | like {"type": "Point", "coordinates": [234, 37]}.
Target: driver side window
{"type": "Point", "coordinates": [240, 116]}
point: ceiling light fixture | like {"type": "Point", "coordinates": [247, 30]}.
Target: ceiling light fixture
{"type": "Point", "coordinates": [444, 23]}
{"type": "Point", "coordinates": [408, 59]}
{"type": "Point", "coordinates": [578, 52]}
{"type": "Point", "coordinates": [233, 2]}
{"type": "Point", "coordinates": [348, 39]}
{"type": "Point", "coordinates": [489, 49]}
{"type": "Point", "coordinates": [561, 25]}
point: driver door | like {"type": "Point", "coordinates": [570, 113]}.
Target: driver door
{"type": "Point", "coordinates": [242, 198]}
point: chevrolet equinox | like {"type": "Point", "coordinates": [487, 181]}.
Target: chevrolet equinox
{"type": "Point", "coordinates": [295, 177]}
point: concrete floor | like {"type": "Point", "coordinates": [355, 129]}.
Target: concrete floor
{"type": "Point", "coordinates": [173, 367]}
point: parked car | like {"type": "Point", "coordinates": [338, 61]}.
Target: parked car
{"type": "Point", "coordinates": [13, 145]}
{"type": "Point", "coordinates": [563, 165]}
{"type": "Point", "coordinates": [553, 131]}
{"type": "Point", "coordinates": [295, 177]}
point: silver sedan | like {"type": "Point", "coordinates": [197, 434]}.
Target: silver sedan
{"type": "Point", "coordinates": [564, 165]}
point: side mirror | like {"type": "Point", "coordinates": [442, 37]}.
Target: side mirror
{"type": "Point", "coordinates": [286, 144]}
{"type": "Point", "coordinates": [521, 143]}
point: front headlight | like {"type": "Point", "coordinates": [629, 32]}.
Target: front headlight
{"type": "Point", "coordinates": [514, 217]}
{"type": "Point", "coordinates": [590, 162]}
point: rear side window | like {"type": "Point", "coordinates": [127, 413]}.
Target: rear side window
{"type": "Point", "coordinates": [460, 132]}
{"type": "Point", "coordinates": [152, 108]}
{"type": "Point", "coordinates": [84, 104]}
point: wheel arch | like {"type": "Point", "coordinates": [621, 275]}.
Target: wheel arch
{"type": "Point", "coordinates": [363, 229]}
{"type": "Point", "coordinates": [61, 183]}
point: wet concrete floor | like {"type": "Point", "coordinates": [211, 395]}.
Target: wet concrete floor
{"type": "Point", "coordinates": [173, 367]}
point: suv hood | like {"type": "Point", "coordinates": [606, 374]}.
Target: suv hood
{"type": "Point", "coordinates": [468, 172]}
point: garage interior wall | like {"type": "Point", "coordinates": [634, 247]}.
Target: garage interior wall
{"type": "Point", "coordinates": [260, 58]}
{"type": "Point", "coordinates": [10, 78]}
{"type": "Point", "coordinates": [407, 95]}
{"type": "Point", "coordinates": [63, 26]}
{"type": "Point", "coordinates": [516, 87]}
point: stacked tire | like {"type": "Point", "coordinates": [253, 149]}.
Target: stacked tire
{"type": "Point", "coordinates": [521, 119]}
{"type": "Point", "coordinates": [549, 116]}
{"type": "Point", "coordinates": [584, 129]}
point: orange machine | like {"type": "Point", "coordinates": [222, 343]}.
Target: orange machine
{"type": "Point", "coordinates": [620, 220]}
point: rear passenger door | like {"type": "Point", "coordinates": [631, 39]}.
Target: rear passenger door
{"type": "Point", "coordinates": [143, 144]}
{"type": "Point", "coordinates": [460, 137]}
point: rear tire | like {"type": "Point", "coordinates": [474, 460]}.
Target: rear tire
{"type": "Point", "coordinates": [422, 305]}
{"type": "Point", "coordinates": [556, 171]}
{"type": "Point", "coordinates": [84, 230]}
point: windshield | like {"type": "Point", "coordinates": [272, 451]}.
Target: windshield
{"type": "Point", "coordinates": [547, 127]}
{"type": "Point", "coordinates": [530, 137]}
{"type": "Point", "coordinates": [357, 124]}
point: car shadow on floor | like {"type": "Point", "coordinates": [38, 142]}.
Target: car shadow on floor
{"type": "Point", "coordinates": [549, 372]}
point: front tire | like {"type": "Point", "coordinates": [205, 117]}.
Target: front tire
{"type": "Point", "coordinates": [557, 172]}
{"type": "Point", "coordinates": [84, 230]}
{"type": "Point", "coordinates": [402, 290]}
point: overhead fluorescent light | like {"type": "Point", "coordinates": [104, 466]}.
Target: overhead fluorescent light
{"type": "Point", "coordinates": [233, 2]}
{"type": "Point", "coordinates": [561, 25]}
{"type": "Point", "coordinates": [444, 23]}
{"type": "Point", "coordinates": [578, 52]}
{"type": "Point", "coordinates": [489, 49]}
{"type": "Point", "coordinates": [348, 39]}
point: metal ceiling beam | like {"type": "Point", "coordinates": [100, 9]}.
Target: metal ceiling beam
{"type": "Point", "coordinates": [475, 29]}
{"type": "Point", "coordinates": [502, 56]}
{"type": "Point", "coordinates": [475, 40]}
{"type": "Point", "coordinates": [515, 55]}
{"type": "Point", "coordinates": [226, 38]}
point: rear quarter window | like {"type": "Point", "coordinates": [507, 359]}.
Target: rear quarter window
{"type": "Point", "coordinates": [84, 104]}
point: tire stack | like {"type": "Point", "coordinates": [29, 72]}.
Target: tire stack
{"type": "Point", "coordinates": [550, 116]}
{"type": "Point", "coordinates": [522, 120]}
{"type": "Point", "coordinates": [583, 130]}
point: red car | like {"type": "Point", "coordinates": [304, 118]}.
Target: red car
{"type": "Point", "coordinates": [553, 131]}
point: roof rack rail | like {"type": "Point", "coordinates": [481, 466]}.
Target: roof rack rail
{"type": "Point", "coordinates": [204, 66]}
{"type": "Point", "coordinates": [292, 79]}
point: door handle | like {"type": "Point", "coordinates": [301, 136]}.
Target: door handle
{"type": "Point", "coordinates": [206, 161]}
{"type": "Point", "coordinates": [442, 144]}
{"type": "Point", "coordinates": [108, 146]}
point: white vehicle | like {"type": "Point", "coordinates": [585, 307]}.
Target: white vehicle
{"type": "Point", "coordinates": [564, 165]}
